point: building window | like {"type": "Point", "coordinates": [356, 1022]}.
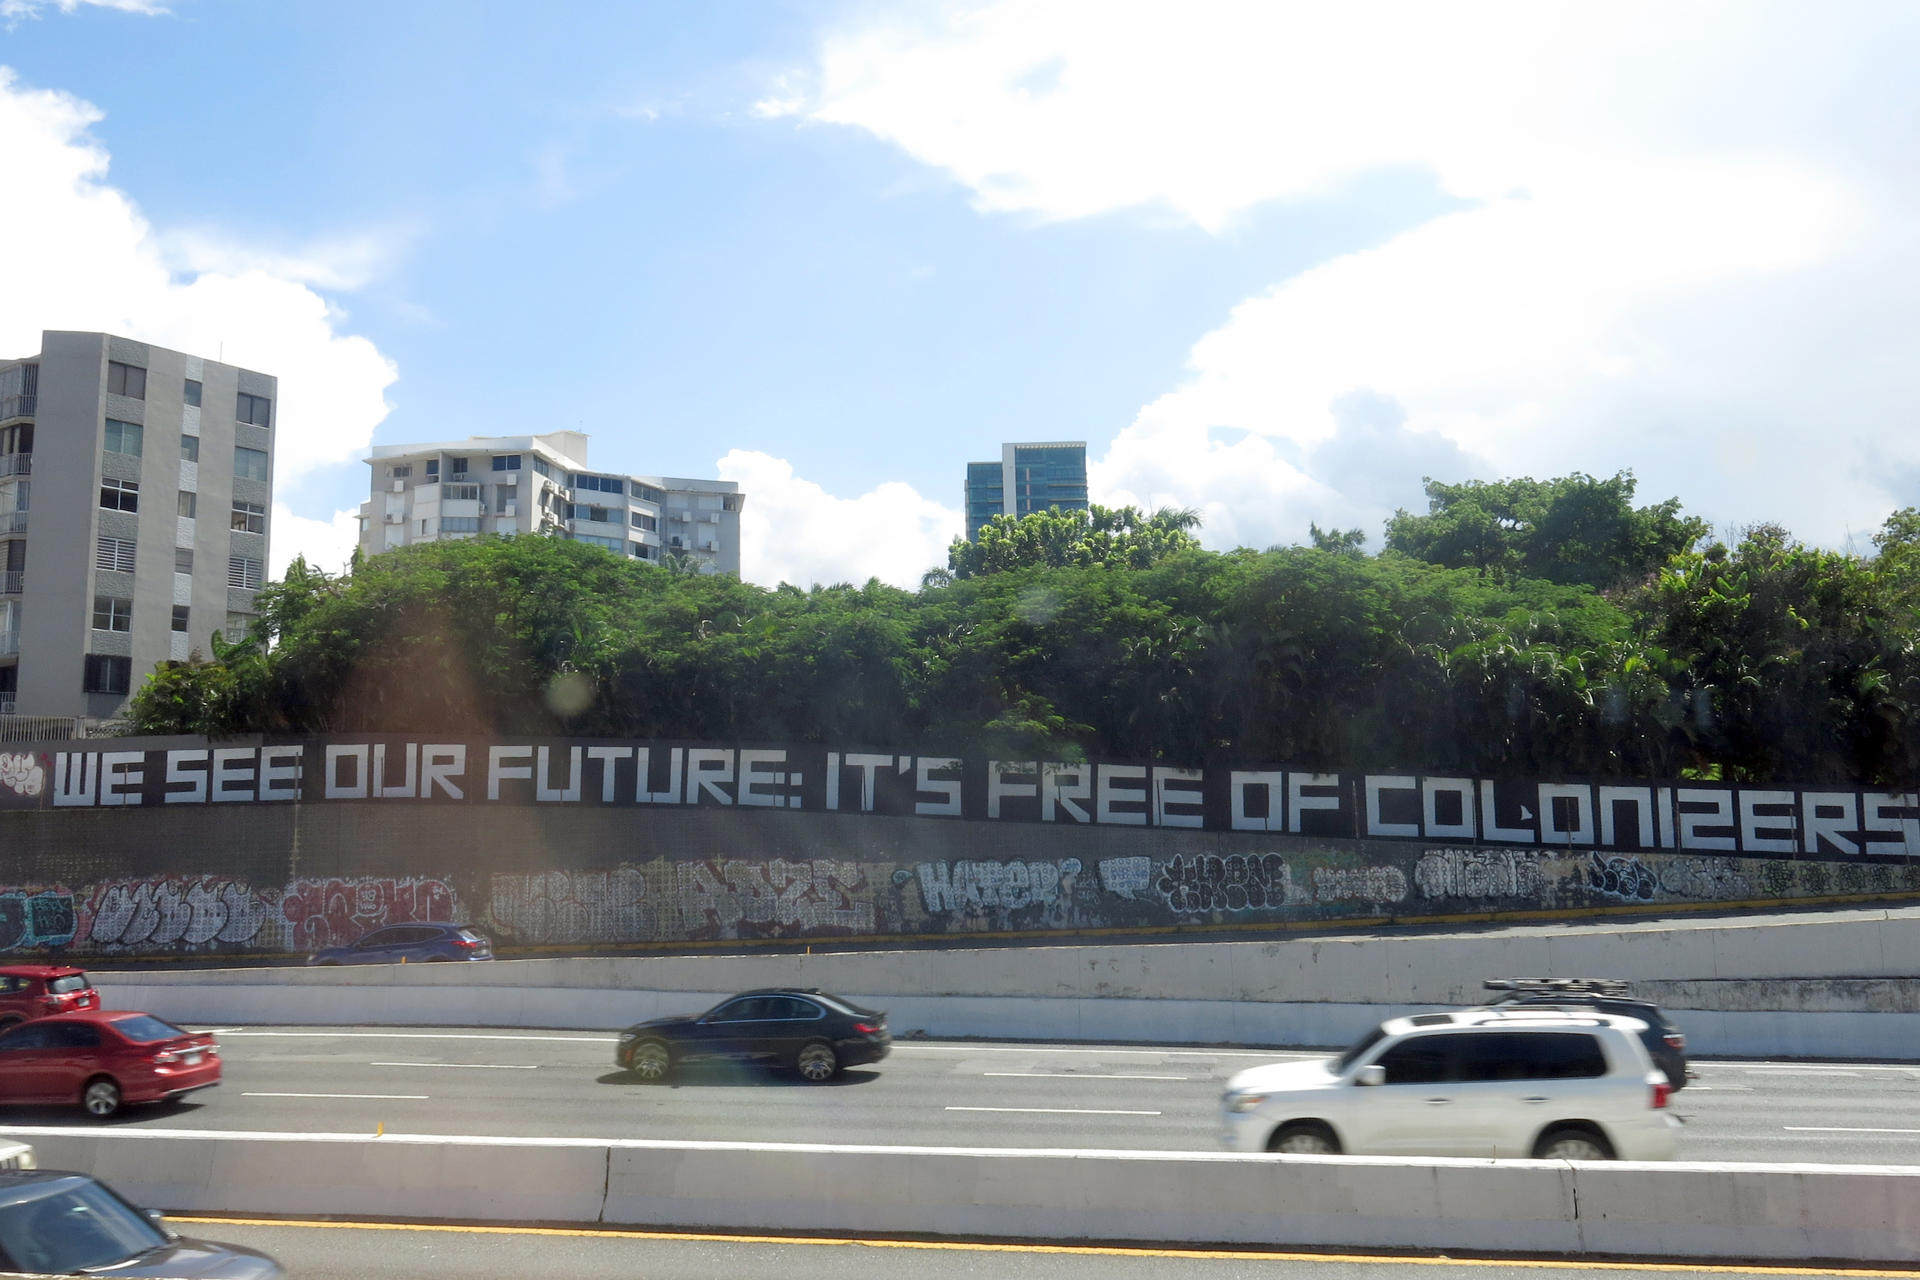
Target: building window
{"type": "Point", "coordinates": [459, 524]}
{"type": "Point", "coordinates": [540, 466]}
{"type": "Point", "coordinates": [505, 496]}
{"type": "Point", "coordinates": [112, 614]}
{"type": "Point", "coordinates": [600, 484]}
{"type": "Point", "coordinates": [433, 470]}
{"type": "Point", "coordinates": [183, 560]}
{"type": "Point", "coordinates": [243, 573]}
{"type": "Point", "coordinates": [180, 612]}
{"type": "Point", "coordinates": [460, 493]}
{"type": "Point", "coordinates": [641, 520]}
{"type": "Point", "coordinates": [249, 517]}
{"type": "Point", "coordinates": [190, 448]}
{"type": "Point", "coordinates": [105, 674]}
{"type": "Point", "coordinates": [611, 544]}
{"type": "Point", "coordinates": [642, 550]}
{"type": "Point", "coordinates": [648, 493]}
{"type": "Point", "coordinates": [404, 470]}
{"type": "Point", "coordinates": [457, 468]}
{"type": "Point", "coordinates": [249, 464]}
{"type": "Point", "coordinates": [506, 462]}
{"type": "Point", "coordinates": [128, 380]}
{"type": "Point", "coordinates": [423, 528]}
{"type": "Point", "coordinates": [237, 625]}
{"type": "Point", "coordinates": [255, 409]}
{"type": "Point", "coordinates": [188, 502]}
{"type": "Point", "coordinates": [119, 495]}
{"type": "Point", "coordinates": [191, 393]}
{"type": "Point", "coordinates": [124, 437]}
{"type": "Point", "coordinates": [114, 555]}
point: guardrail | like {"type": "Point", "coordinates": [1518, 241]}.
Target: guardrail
{"type": "Point", "coordinates": [1810, 1212]}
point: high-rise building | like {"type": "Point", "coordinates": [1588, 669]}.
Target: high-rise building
{"type": "Point", "coordinates": [542, 484]}
{"type": "Point", "coordinates": [1028, 478]}
{"type": "Point", "coordinates": [118, 463]}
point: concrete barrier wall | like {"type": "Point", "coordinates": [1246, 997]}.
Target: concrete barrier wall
{"type": "Point", "coordinates": [1808, 1212]}
{"type": "Point", "coordinates": [1852, 992]}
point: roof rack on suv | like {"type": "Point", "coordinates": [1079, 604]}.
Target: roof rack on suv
{"type": "Point", "coordinates": [1559, 986]}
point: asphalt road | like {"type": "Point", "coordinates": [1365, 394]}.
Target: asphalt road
{"type": "Point", "coordinates": [347, 1251]}
{"type": "Point", "coordinates": [546, 1084]}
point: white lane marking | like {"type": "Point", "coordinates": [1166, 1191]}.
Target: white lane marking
{"type": "Point", "coordinates": [469, 1066]}
{"type": "Point", "coordinates": [1826, 1128]}
{"type": "Point", "coordinates": [1108, 1053]}
{"type": "Point", "coordinates": [1057, 1111]}
{"type": "Point", "coordinates": [1815, 1066]}
{"type": "Point", "coordinates": [1074, 1075]}
{"type": "Point", "coordinates": [384, 1097]}
{"type": "Point", "coordinates": [417, 1035]}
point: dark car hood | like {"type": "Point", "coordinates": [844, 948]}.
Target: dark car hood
{"type": "Point", "coordinates": [679, 1020]}
{"type": "Point", "coordinates": [189, 1259]}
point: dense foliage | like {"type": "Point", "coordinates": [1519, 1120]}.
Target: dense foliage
{"type": "Point", "coordinates": [1522, 628]}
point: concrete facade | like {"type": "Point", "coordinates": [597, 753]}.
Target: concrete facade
{"type": "Point", "coordinates": [134, 523]}
{"type": "Point", "coordinates": [1029, 477]}
{"type": "Point", "coordinates": [542, 484]}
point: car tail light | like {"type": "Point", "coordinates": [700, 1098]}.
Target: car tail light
{"type": "Point", "coordinates": [468, 943]}
{"type": "Point", "coordinates": [49, 1002]}
{"type": "Point", "coordinates": [165, 1057]}
{"type": "Point", "coordinates": [866, 1028]}
{"type": "Point", "coordinates": [1675, 1040]}
{"type": "Point", "coordinates": [1661, 1092]}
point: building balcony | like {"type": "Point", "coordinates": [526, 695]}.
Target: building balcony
{"type": "Point", "coordinates": [9, 643]}
{"type": "Point", "coordinates": [12, 582]}
{"type": "Point", "coordinates": [16, 464]}
{"type": "Point", "coordinates": [12, 407]}
{"type": "Point", "coordinates": [13, 522]}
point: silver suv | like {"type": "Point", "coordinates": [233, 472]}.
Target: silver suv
{"type": "Point", "coordinates": [1544, 1085]}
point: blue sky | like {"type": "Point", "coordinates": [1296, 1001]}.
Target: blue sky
{"type": "Point", "coordinates": [1273, 263]}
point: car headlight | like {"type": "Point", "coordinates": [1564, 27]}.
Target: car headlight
{"type": "Point", "coordinates": [1243, 1100]}
{"type": "Point", "coordinates": [629, 1035]}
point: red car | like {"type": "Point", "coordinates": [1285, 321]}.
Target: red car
{"type": "Point", "coordinates": [36, 990]}
{"type": "Point", "coordinates": [104, 1060]}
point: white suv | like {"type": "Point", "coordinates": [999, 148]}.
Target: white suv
{"type": "Point", "coordinates": [1541, 1084]}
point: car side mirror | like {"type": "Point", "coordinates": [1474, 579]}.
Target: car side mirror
{"type": "Point", "coordinates": [1371, 1075]}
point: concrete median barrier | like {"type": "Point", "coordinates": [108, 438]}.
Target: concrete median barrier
{"type": "Point", "coordinates": [1807, 1212]}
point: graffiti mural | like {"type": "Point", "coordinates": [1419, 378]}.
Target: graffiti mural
{"type": "Point", "coordinates": [21, 774]}
{"type": "Point", "coordinates": [1479, 873]}
{"type": "Point", "coordinates": [545, 908]}
{"type": "Point", "coordinates": [1359, 884]}
{"type": "Point", "coordinates": [738, 898]}
{"type": "Point", "coordinates": [1236, 882]}
{"type": "Point", "coordinates": [1621, 878]}
{"type": "Point", "coordinates": [335, 912]}
{"type": "Point", "coordinates": [169, 914]}
{"type": "Point", "coordinates": [35, 918]}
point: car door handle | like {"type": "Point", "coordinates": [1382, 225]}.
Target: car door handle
{"type": "Point", "coordinates": [1438, 1102]}
{"type": "Point", "coordinates": [1533, 1099]}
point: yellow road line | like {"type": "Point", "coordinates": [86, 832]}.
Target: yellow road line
{"type": "Point", "coordinates": [1097, 1251]}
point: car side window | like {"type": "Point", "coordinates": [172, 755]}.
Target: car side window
{"type": "Point", "coordinates": [1570, 1056]}
{"type": "Point", "coordinates": [73, 1035]}
{"type": "Point", "coordinates": [10, 985]}
{"type": "Point", "coordinates": [1421, 1060]}
{"type": "Point", "coordinates": [379, 938]}
{"type": "Point", "coordinates": [1499, 1055]}
{"type": "Point", "coordinates": [739, 1011]}
{"type": "Point", "coordinates": [31, 1036]}
{"type": "Point", "coordinates": [408, 935]}
{"type": "Point", "coordinates": [803, 1009]}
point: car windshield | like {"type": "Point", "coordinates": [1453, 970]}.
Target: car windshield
{"type": "Point", "coordinates": [145, 1028]}
{"type": "Point", "coordinates": [73, 1227]}
{"type": "Point", "coordinates": [1360, 1046]}
{"type": "Point", "coordinates": [70, 982]}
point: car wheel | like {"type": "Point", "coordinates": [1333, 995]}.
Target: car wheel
{"type": "Point", "coordinates": [437, 960]}
{"type": "Point", "coordinates": [1571, 1144]}
{"type": "Point", "coordinates": [101, 1097]}
{"type": "Point", "coordinates": [1306, 1138]}
{"type": "Point", "coordinates": [5, 1023]}
{"type": "Point", "coordinates": [818, 1062]}
{"type": "Point", "coordinates": [652, 1061]}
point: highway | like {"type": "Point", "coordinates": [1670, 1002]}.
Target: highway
{"type": "Point", "coordinates": [555, 1084]}
{"type": "Point", "coordinates": [350, 1251]}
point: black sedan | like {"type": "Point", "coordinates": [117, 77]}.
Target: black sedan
{"type": "Point", "coordinates": [61, 1223]}
{"type": "Point", "coordinates": [814, 1033]}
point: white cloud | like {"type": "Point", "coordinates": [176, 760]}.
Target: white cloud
{"type": "Point", "coordinates": [327, 544]}
{"type": "Point", "coordinates": [1683, 245]}
{"type": "Point", "coordinates": [15, 9]}
{"type": "Point", "coordinates": [96, 264]}
{"type": "Point", "coordinates": [793, 530]}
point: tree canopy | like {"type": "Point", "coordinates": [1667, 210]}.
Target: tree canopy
{"type": "Point", "coordinates": [1527, 628]}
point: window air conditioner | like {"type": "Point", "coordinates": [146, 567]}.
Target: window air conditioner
{"type": "Point", "coordinates": [510, 510]}
{"type": "Point", "coordinates": [676, 542]}
{"type": "Point", "coordinates": [399, 486]}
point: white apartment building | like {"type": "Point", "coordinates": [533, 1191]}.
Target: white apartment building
{"type": "Point", "coordinates": [136, 490]}
{"type": "Point", "coordinates": [542, 484]}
